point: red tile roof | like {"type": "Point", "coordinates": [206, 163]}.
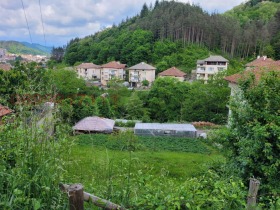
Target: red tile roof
{"type": "Point", "coordinates": [88, 66]}
{"type": "Point", "coordinates": [114, 65]}
{"type": "Point", "coordinates": [173, 72]}
{"type": "Point", "coordinates": [5, 66]}
{"type": "Point", "coordinates": [4, 110]}
{"type": "Point", "coordinates": [261, 62]}
{"type": "Point", "coordinates": [258, 72]}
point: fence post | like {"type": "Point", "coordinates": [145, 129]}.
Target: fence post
{"type": "Point", "coordinates": [76, 197]}
{"type": "Point", "coordinates": [252, 195]}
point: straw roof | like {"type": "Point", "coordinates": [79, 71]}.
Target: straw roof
{"type": "Point", "coordinates": [95, 124]}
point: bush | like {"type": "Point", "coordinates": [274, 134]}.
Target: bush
{"type": "Point", "coordinates": [31, 165]}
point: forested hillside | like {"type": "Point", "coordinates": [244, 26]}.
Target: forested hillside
{"type": "Point", "coordinates": [21, 48]}
{"type": "Point", "coordinates": [175, 33]}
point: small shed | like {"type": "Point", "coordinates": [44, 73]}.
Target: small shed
{"type": "Point", "coordinates": [94, 125]}
{"type": "Point", "coordinates": [165, 129]}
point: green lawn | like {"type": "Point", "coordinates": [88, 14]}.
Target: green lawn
{"type": "Point", "coordinates": [106, 167]}
{"type": "Point", "coordinates": [93, 156]}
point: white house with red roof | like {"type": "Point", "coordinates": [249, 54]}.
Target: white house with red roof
{"type": "Point", "coordinates": [112, 70]}
{"type": "Point", "coordinates": [210, 66]}
{"type": "Point", "coordinates": [141, 72]}
{"type": "Point", "coordinates": [89, 71]}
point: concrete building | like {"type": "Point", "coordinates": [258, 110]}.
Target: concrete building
{"type": "Point", "coordinates": [89, 71]}
{"type": "Point", "coordinates": [210, 66]}
{"type": "Point", "coordinates": [112, 70]}
{"type": "Point", "coordinates": [3, 52]}
{"type": "Point", "coordinates": [141, 72]}
{"type": "Point", "coordinates": [175, 73]}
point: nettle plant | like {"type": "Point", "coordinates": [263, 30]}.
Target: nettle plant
{"type": "Point", "coordinates": [33, 147]}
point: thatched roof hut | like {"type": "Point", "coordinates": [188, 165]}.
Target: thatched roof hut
{"type": "Point", "coordinates": [94, 125]}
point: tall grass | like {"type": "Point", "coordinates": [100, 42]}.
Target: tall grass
{"type": "Point", "coordinates": [32, 162]}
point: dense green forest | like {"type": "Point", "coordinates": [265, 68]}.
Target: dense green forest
{"type": "Point", "coordinates": [174, 33]}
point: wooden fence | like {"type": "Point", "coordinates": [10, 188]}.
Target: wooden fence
{"type": "Point", "coordinates": [77, 196]}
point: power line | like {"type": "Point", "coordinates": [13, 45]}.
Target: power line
{"type": "Point", "coordinates": [26, 21]}
{"type": "Point", "coordinates": [42, 23]}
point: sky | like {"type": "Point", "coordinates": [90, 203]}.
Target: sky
{"type": "Point", "coordinates": [56, 22]}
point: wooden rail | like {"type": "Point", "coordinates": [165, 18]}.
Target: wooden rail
{"type": "Point", "coordinates": [77, 197]}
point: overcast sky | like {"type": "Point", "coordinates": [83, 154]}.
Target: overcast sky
{"type": "Point", "coordinates": [66, 19]}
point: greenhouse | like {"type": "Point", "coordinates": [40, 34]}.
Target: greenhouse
{"type": "Point", "coordinates": [165, 129]}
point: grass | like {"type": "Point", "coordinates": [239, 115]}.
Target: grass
{"type": "Point", "coordinates": [97, 157]}
{"type": "Point", "coordinates": [119, 142]}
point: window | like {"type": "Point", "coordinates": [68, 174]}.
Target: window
{"type": "Point", "coordinates": [220, 68]}
{"type": "Point", "coordinates": [211, 69]}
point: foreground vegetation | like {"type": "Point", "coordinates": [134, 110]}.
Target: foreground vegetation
{"type": "Point", "coordinates": [143, 173]}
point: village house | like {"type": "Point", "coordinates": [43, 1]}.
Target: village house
{"type": "Point", "coordinates": [89, 71]}
{"type": "Point", "coordinates": [173, 72]}
{"type": "Point", "coordinates": [112, 70]}
{"type": "Point", "coordinates": [141, 72]}
{"type": "Point", "coordinates": [257, 68]}
{"type": "Point", "coordinates": [210, 66]}
{"type": "Point", "coordinates": [5, 66]}
{"type": "Point", "coordinates": [263, 61]}
{"type": "Point", "coordinates": [3, 52]}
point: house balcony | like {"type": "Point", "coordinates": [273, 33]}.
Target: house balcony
{"type": "Point", "coordinates": [200, 70]}
{"type": "Point", "coordinates": [134, 79]}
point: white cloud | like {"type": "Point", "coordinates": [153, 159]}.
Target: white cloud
{"type": "Point", "coordinates": [64, 20]}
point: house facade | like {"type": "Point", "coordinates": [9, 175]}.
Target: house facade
{"type": "Point", "coordinates": [175, 73]}
{"type": "Point", "coordinates": [89, 71]}
{"type": "Point", "coordinates": [141, 72]}
{"type": "Point", "coordinates": [112, 70]}
{"type": "Point", "coordinates": [210, 66]}
{"type": "Point", "coordinates": [3, 52]}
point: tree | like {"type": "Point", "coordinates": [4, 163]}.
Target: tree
{"type": "Point", "coordinates": [206, 102]}
{"type": "Point", "coordinates": [103, 106]}
{"type": "Point", "coordinates": [254, 134]}
{"type": "Point", "coordinates": [135, 108]}
{"type": "Point", "coordinates": [83, 107]}
{"type": "Point", "coordinates": [145, 10]}
{"type": "Point", "coordinates": [66, 82]}
{"type": "Point", "coordinates": [57, 54]}
{"type": "Point", "coordinates": [165, 99]}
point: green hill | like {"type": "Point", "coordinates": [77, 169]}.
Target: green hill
{"type": "Point", "coordinates": [254, 11]}
{"type": "Point", "coordinates": [19, 48]}
{"type": "Point", "coordinates": [38, 47]}
{"type": "Point", "coordinates": [173, 33]}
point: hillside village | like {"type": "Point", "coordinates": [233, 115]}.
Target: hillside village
{"type": "Point", "coordinates": [148, 114]}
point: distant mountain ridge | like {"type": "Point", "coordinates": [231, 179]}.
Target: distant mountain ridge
{"type": "Point", "coordinates": [25, 48]}
{"type": "Point", "coordinates": [38, 47]}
